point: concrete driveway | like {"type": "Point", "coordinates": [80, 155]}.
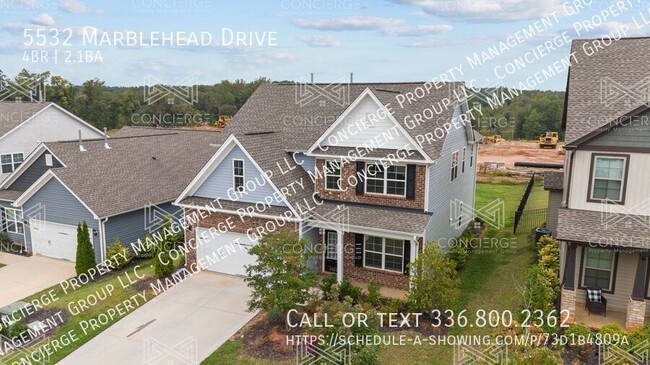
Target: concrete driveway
{"type": "Point", "coordinates": [24, 276]}
{"type": "Point", "coordinates": [194, 317]}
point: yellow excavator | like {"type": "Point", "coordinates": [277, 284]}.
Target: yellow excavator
{"type": "Point", "coordinates": [548, 140]}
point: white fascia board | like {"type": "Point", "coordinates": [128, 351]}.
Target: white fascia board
{"type": "Point", "coordinates": [26, 164]}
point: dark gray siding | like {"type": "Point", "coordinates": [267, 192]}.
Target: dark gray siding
{"type": "Point", "coordinates": [128, 227]}
{"type": "Point", "coordinates": [12, 236]}
{"type": "Point", "coordinates": [33, 173]}
{"type": "Point", "coordinates": [554, 201]}
{"type": "Point", "coordinates": [634, 133]}
{"type": "Point", "coordinates": [58, 205]}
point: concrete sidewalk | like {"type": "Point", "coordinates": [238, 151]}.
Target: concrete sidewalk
{"type": "Point", "coordinates": [192, 319]}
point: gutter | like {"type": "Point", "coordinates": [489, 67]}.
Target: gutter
{"type": "Point", "coordinates": [102, 238]}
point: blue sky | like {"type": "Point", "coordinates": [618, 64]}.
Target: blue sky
{"type": "Point", "coordinates": [378, 40]}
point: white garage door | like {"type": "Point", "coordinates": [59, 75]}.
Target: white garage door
{"type": "Point", "coordinates": [226, 253]}
{"type": "Point", "coordinates": [54, 240]}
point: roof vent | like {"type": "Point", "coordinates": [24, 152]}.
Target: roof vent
{"type": "Point", "coordinates": [258, 133]}
{"type": "Point", "coordinates": [106, 140]}
{"type": "Point", "coordinates": [81, 146]}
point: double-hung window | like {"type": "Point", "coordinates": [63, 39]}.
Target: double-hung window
{"type": "Point", "coordinates": [598, 268]}
{"type": "Point", "coordinates": [389, 181]}
{"type": "Point", "coordinates": [384, 253]}
{"type": "Point", "coordinates": [608, 178]}
{"type": "Point", "coordinates": [10, 161]}
{"type": "Point", "coordinates": [238, 174]}
{"type": "Point", "coordinates": [332, 175]}
{"type": "Point", "coordinates": [14, 221]}
{"type": "Point", "coordinates": [454, 165]}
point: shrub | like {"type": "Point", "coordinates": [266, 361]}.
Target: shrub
{"type": "Point", "coordinates": [392, 305]}
{"type": "Point", "coordinates": [85, 259]}
{"type": "Point", "coordinates": [16, 329]}
{"type": "Point", "coordinates": [538, 356]}
{"type": "Point", "coordinates": [612, 329]}
{"type": "Point", "coordinates": [374, 295]}
{"type": "Point", "coordinates": [163, 264]}
{"type": "Point", "coordinates": [5, 241]}
{"type": "Point", "coordinates": [459, 253]}
{"type": "Point", "coordinates": [117, 255]}
{"type": "Point", "coordinates": [637, 336]}
{"type": "Point", "coordinates": [434, 283]}
{"type": "Point", "coordinates": [549, 260]}
{"type": "Point", "coordinates": [538, 293]}
{"type": "Point", "coordinates": [326, 285]}
{"type": "Point", "coordinates": [577, 331]}
{"type": "Point", "coordinates": [347, 289]}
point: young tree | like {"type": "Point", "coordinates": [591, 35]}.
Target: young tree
{"type": "Point", "coordinates": [85, 253]}
{"type": "Point", "coordinates": [163, 265]}
{"type": "Point", "coordinates": [434, 282]}
{"type": "Point", "coordinates": [280, 278]}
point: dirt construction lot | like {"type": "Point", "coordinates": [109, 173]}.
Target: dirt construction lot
{"type": "Point", "coordinates": [511, 151]}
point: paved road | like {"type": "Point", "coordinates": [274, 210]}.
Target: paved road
{"type": "Point", "coordinates": [24, 276]}
{"type": "Point", "coordinates": [192, 318]}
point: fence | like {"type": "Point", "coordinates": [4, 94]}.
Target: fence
{"type": "Point", "coordinates": [522, 203]}
{"type": "Point", "coordinates": [529, 219]}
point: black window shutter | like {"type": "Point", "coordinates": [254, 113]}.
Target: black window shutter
{"type": "Point", "coordinates": [410, 181]}
{"type": "Point", "coordinates": [361, 184]}
{"type": "Point", "coordinates": [3, 214]}
{"type": "Point", "coordinates": [407, 256]}
{"type": "Point", "coordinates": [358, 250]}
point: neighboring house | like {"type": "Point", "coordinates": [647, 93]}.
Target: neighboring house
{"type": "Point", "coordinates": [347, 175]}
{"type": "Point", "coordinates": [605, 214]}
{"type": "Point", "coordinates": [553, 182]}
{"type": "Point", "coordinates": [122, 188]}
{"type": "Point", "coordinates": [23, 125]}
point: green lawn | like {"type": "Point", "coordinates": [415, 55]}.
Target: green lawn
{"type": "Point", "coordinates": [1, 264]}
{"type": "Point", "coordinates": [489, 281]}
{"type": "Point", "coordinates": [119, 295]}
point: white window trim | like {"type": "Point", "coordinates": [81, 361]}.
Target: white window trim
{"type": "Point", "coordinates": [327, 245]}
{"type": "Point", "coordinates": [386, 180]}
{"type": "Point", "coordinates": [326, 174]}
{"type": "Point", "coordinates": [462, 170]}
{"type": "Point", "coordinates": [454, 165]}
{"type": "Point", "coordinates": [13, 163]}
{"type": "Point", "coordinates": [15, 221]}
{"type": "Point", "coordinates": [622, 179]}
{"type": "Point", "coordinates": [49, 160]}
{"type": "Point", "coordinates": [471, 155]}
{"type": "Point", "coordinates": [234, 185]}
{"type": "Point", "coordinates": [611, 269]}
{"type": "Point", "coordinates": [383, 254]}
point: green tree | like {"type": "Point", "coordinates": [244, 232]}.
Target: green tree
{"type": "Point", "coordinates": [163, 265]}
{"type": "Point", "coordinates": [538, 294]}
{"type": "Point", "coordinates": [85, 253]}
{"type": "Point", "coordinates": [434, 281]}
{"type": "Point", "coordinates": [280, 278]}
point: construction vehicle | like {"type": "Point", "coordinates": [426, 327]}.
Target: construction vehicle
{"type": "Point", "coordinates": [492, 139]}
{"type": "Point", "coordinates": [222, 121]}
{"type": "Point", "coordinates": [548, 140]}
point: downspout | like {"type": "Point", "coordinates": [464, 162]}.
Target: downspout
{"type": "Point", "coordinates": [102, 238]}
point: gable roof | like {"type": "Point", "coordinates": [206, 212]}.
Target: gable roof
{"type": "Point", "coordinates": [134, 172]}
{"type": "Point", "coordinates": [553, 180]}
{"type": "Point", "coordinates": [604, 84]}
{"type": "Point", "coordinates": [274, 107]}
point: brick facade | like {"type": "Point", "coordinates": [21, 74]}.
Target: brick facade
{"type": "Point", "coordinates": [635, 314]}
{"type": "Point", "coordinates": [567, 303]}
{"type": "Point", "coordinates": [348, 189]}
{"type": "Point", "coordinates": [365, 275]}
{"type": "Point", "coordinates": [233, 223]}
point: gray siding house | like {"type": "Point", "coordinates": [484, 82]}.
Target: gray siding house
{"type": "Point", "coordinates": [122, 188]}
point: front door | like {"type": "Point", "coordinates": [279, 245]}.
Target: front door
{"type": "Point", "coordinates": [330, 251]}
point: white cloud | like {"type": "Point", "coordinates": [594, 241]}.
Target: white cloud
{"type": "Point", "coordinates": [417, 31]}
{"type": "Point", "coordinates": [77, 7]}
{"type": "Point", "coordinates": [44, 19]}
{"type": "Point", "coordinates": [320, 41]}
{"type": "Point", "coordinates": [348, 23]}
{"type": "Point", "coordinates": [486, 10]}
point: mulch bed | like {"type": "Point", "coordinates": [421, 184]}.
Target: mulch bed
{"type": "Point", "coordinates": [588, 355]}
{"type": "Point", "coordinates": [266, 339]}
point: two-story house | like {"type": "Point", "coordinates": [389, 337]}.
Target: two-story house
{"type": "Point", "coordinates": [364, 175]}
{"type": "Point", "coordinates": [604, 217]}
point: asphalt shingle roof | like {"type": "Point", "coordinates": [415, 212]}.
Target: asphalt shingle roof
{"type": "Point", "coordinates": [553, 180]}
{"type": "Point", "coordinates": [599, 229]}
{"type": "Point", "coordinates": [135, 171]}
{"type": "Point", "coordinates": [12, 114]}
{"type": "Point", "coordinates": [604, 84]}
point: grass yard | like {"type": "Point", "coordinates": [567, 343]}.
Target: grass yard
{"type": "Point", "coordinates": [119, 294]}
{"type": "Point", "coordinates": [2, 265]}
{"type": "Point", "coordinates": [490, 280]}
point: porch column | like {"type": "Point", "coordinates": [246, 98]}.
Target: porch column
{"type": "Point", "coordinates": [568, 291]}
{"type": "Point", "coordinates": [636, 303]}
{"type": "Point", "coordinates": [339, 256]}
